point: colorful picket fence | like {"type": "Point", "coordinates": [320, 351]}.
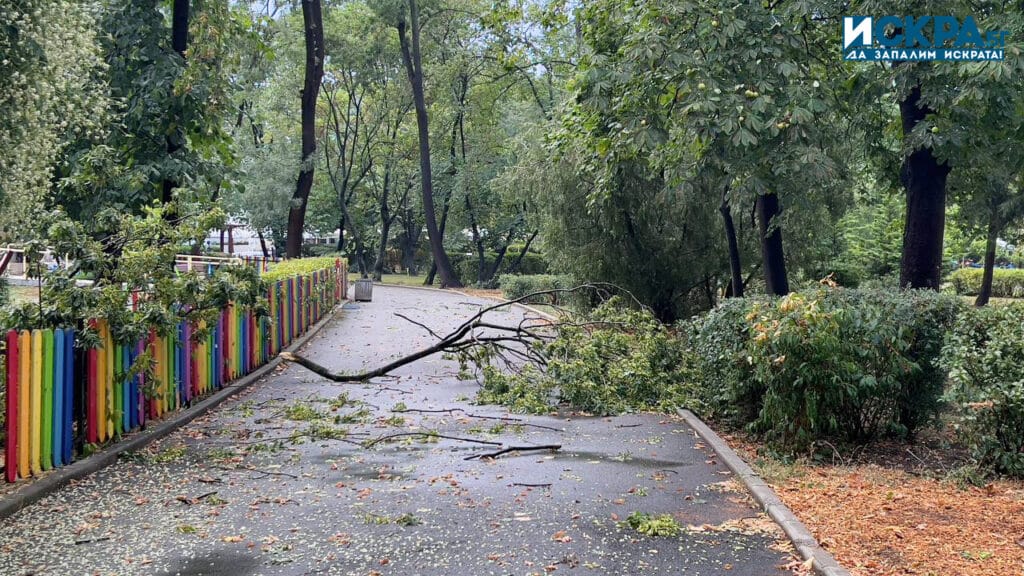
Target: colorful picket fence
{"type": "Point", "coordinates": [59, 396]}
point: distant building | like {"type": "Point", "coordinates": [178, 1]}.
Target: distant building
{"type": "Point", "coordinates": [236, 239]}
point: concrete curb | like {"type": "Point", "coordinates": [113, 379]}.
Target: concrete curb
{"type": "Point", "coordinates": [808, 548]}
{"type": "Point", "coordinates": [38, 489]}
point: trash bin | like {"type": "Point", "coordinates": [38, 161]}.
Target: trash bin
{"type": "Point", "coordinates": [364, 290]}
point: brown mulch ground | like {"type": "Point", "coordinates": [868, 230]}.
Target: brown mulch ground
{"type": "Point", "coordinates": [879, 516]}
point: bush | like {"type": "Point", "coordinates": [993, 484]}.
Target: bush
{"type": "Point", "coordinates": [825, 363]}
{"type": "Point", "coordinates": [984, 354]}
{"type": "Point", "coordinates": [621, 360]}
{"type": "Point", "coordinates": [1006, 283]}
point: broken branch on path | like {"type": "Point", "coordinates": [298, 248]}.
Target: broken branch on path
{"type": "Point", "coordinates": [508, 342]}
{"type": "Point", "coordinates": [256, 470]}
{"type": "Point", "coordinates": [420, 324]}
{"type": "Point", "coordinates": [494, 455]}
{"type": "Point", "coordinates": [516, 421]}
{"type": "Point", "coordinates": [389, 437]}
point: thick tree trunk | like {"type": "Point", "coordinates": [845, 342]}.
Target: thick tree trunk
{"type": "Point", "coordinates": [990, 259]}
{"type": "Point", "coordinates": [414, 67]}
{"type": "Point", "coordinates": [735, 267]}
{"type": "Point", "coordinates": [925, 181]}
{"type": "Point", "coordinates": [312, 19]}
{"type": "Point", "coordinates": [175, 140]}
{"type": "Point", "coordinates": [776, 281]}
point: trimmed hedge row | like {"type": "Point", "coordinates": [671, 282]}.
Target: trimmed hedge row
{"type": "Point", "coordinates": [298, 267]}
{"type": "Point", "coordinates": [1006, 283]}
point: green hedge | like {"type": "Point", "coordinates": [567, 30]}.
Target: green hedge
{"type": "Point", "coordinates": [297, 267]}
{"type": "Point", "coordinates": [515, 286]}
{"type": "Point", "coordinates": [468, 266]}
{"type": "Point", "coordinates": [1006, 283]}
{"type": "Point", "coordinates": [984, 354]}
{"type": "Point", "coordinates": [824, 363]}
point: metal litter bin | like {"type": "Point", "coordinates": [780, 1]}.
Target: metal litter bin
{"type": "Point", "coordinates": [364, 290]}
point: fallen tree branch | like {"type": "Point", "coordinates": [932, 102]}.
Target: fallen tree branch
{"type": "Point", "coordinates": [420, 324]}
{"type": "Point", "coordinates": [256, 470]}
{"type": "Point", "coordinates": [516, 421]}
{"type": "Point", "coordinates": [493, 455]}
{"type": "Point", "coordinates": [375, 441]}
{"type": "Point", "coordinates": [464, 337]}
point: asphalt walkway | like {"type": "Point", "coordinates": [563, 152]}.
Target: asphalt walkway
{"type": "Point", "coordinates": [275, 481]}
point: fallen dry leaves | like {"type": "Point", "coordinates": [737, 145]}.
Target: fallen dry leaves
{"type": "Point", "coordinates": [881, 522]}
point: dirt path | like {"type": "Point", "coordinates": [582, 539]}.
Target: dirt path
{"type": "Point", "coordinates": [274, 483]}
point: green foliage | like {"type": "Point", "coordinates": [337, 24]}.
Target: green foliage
{"type": "Point", "coordinates": [1006, 283]}
{"type": "Point", "coordinates": [515, 286]}
{"type": "Point", "coordinates": [661, 525]}
{"type": "Point", "coordinates": [825, 363]}
{"type": "Point", "coordinates": [302, 412]}
{"type": "Point", "coordinates": [137, 259]}
{"type": "Point", "coordinates": [468, 266]}
{"type": "Point", "coordinates": [614, 360]}
{"type": "Point", "coordinates": [984, 354]}
{"type": "Point", "coordinates": [298, 267]}
{"type": "Point", "coordinates": [51, 96]}
{"type": "Point", "coordinates": [872, 232]}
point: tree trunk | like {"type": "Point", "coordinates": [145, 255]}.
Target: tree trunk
{"type": "Point", "coordinates": [175, 139]}
{"type": "Point", "coordinates": [263, 244]}
{"type": "Point", "coordinates": [357, 240]}
{"type": "Point", "coordinates": [341, 232]}
{"type": "Point", "coordinates": [445, 210]}
{"type": "Point", "coordinates": [990, 258]}
{"type": "Point", "coordinates": [414, 68]}
{"type": "Point", "coordinates": [735, 268]}
{"type": "Point", "coordinates": [767, 207]}
{"type": "Point", "coordinates": [478, 241]}
{"type": "Point", "coordinates": [313, 23]}
{"type": "Point", "coordinates": [378, 266]}
{"type": "Point", "coordinates": [519, 259]}
{"type": "Point", "coordinates": [498, 259]}
{"type": "Point", "coordinates": [925, 181]}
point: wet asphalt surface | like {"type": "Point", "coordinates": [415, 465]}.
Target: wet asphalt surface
{"type": "Point", "coordinates": [275, 481]}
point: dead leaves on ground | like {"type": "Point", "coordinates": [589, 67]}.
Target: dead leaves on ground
{"type": "Point", "coordinates": [880, 522]}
